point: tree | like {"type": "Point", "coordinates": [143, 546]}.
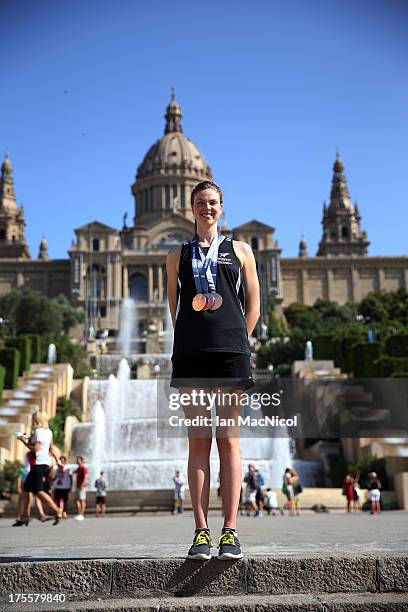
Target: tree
{"type": "Point", "coordinates": [29, 311]}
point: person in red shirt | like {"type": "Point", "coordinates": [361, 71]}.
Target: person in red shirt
{"type": "Point", "coordinates": [81, 474]}
{"type": "Point", "coordinates": [348, 491]}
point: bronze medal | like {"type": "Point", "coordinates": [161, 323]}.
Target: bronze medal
{"type": "Point", "coordinates": [217, 301]}
{"type": "Point", "coordinates": [199, 302]}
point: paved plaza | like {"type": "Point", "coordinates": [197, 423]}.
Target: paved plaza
{"type": "Point", "coordinates": [165, 536]}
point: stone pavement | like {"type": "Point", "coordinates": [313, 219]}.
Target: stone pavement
{"type": "Point", "coordinates": [316, 562]}
{"type": "Point", "coordinates": [164, 536]}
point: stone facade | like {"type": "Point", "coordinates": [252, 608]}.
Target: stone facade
{"type": "Point", "coordinates": [107, 264]}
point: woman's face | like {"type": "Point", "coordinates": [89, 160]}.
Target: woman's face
{"type": "Point", "coordinates": [207, 207]}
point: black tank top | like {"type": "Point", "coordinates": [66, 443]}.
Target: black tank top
{"type": "Point", "coordinates": [222, 330]}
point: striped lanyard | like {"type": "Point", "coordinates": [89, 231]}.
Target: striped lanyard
{"type": "Point", "coordinates": [205, 266]}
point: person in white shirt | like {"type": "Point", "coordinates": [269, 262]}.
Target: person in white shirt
{"type": "Point", "coordinates": [41, 444]}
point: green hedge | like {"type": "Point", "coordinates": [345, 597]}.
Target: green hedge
{"type": "Point", "coordinates": [36, 347]}
{"type": "Point", "coordinates": [323, 347]}
{"type": "Point", "coordinates": [397, 346]}
{"type": "Point", "coordinates": [365, 355]}
{"type": "Point", "coordinates": [23, 344]}
{"type": "Point", "coordinates": [389, 366]}
{"type": "Point", "coordinates": [2, 380]}
{"type": "Point", "coordinates": [10, 360]}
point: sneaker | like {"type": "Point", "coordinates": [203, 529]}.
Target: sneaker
{"type": "Point", "coordinates": [202, 543]}
{"type": "Point", "coordinates": [229, 546]}
{"type": "Point", "coordinates": [79, 517]}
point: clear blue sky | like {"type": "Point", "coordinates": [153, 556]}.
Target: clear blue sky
{"type": "Point", "coordinates": [268, 90]}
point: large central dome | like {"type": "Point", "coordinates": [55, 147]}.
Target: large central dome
{"type": "Point", "coordinates": [169, 171]}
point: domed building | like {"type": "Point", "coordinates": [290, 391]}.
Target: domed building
{"type": "Point", "coordinates": [107, 264]}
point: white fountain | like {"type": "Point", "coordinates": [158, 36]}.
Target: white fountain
{"type": "Point", "coordinates": [122, 437]}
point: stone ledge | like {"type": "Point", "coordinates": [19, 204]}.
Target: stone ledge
{"type": "Point", "coordinates": [142, 578]}
{"type": "Point", "coordinates": [338, 602]}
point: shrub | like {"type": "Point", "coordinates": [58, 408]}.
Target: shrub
{"type": "Point", "coordinates": [365, 355]}
{"type": "Point", "coordinates": [36, 347]}
{"type": "Point", "coordinates": [323, 347]}
{"type": "Point", "coordinates": [397, 346]}
{"type": "Point", "coordinates": [64, 408]}
{"type": "Point", "coordinates": [23, 344]}
{"type": "Point", "coordinates": [10, 360]}
{"type": "Point", "coordinates": [2, 380]}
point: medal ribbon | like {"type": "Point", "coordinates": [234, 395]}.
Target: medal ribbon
{"type": "Point", "coordinates": [205, 266]}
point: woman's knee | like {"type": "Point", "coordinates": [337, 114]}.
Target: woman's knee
{"type": "Point", "coordinates": [199, 446]}
{"type": "Point", "coordinates": [228, 445]}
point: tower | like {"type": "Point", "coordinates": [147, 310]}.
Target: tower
{"type": "Point", "coordinates": [342, 234]}
{"type": "Point", "coordinates": [12, 239]}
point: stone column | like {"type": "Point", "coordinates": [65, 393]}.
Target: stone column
{"type": "Point", "coordinates": [329, 283]}
{"type": "Point", "coordinates": [160, 281]}
{"type": "Point", "coordinates": [118, 278]}
{"type": "Point", "coordinates": [405, 272]}
{"type": "Point", "coordinates": [109, 292]}
{"type": "Point", "coordinates": [150, 284]}
{"type": "Point", "coordinates": [303, 287]}
{"type": "Point", "coordinates": [355, 278]}
{"type": "Point", "coordinates": [380, 279]}
{"type": "Point", "coordinates": [125, 285]}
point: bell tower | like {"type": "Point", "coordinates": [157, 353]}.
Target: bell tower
{"type": "Point", "coordinates": [12, 239]}
{"type": "Point", "coordinates": [342, 234]}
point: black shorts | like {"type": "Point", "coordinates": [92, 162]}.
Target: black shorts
{"type": "Point", "coordinates": [211, 370]}
{"type": "Point", "coordinates": [100, 500]}
{"type": "Point", "coordinates": [61, 494]}
{"type": "Point", "coordinates": [36, 479]}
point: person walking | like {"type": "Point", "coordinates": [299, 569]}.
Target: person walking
{"type": "Point", "coordinates": [287, 489]}
{"type": "Point", "coordinates": [374, 492]}
{"type": "Point", "coordinates": [259, 498]}
{"type": "Point", "coordinates": [62, 482]}
{"type": "Point", "coordinates": [101, 494]}
{"type": "Point", "coordinates": [81, 488]}
{"type": "Point", "coordinates": [251, 489]}
{"type": "Point", "coordinates": [41, 444]}
{"type": "Point", "coordinates": [213, 294]}
{"type": "Point", "coordinates": [297, 490]}
{"type": "Point", "coordinates": [178, 493]}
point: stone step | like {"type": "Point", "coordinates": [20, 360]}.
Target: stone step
{"type": "Point", "coordinates": [256, 575]}
{"type": "Point", "coordinates": [323, 602]}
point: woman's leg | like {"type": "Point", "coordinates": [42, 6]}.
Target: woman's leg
{"type": "Point", "coordinates": [199, 477]}
{"type": "Point", "coordinates": [45, 497]}
{"type": "Point", "coordinates": [230, 478]}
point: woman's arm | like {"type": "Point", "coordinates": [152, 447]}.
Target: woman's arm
{"type": "Point", "coordinates": [251, 284]}
{"type": "Point", "coordinates": [172, 263]}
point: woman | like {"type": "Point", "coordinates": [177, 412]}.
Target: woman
{"type": "Point", "coordinates": [287, 489]}
{"type": "Point", "coordinates": [40, 443]}
{"type": "Point", "coordinates": [62, 485]}
{"type": "Point", "coordinates": [374, 494]}
{"type": "Point", "coordinates": [213, 294]}
{"type": "Point", "coordinates": [348, 491]}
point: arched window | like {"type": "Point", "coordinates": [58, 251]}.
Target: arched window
{"type": "Point", "coordinates": [138, 288]}
{"type": "Point", "coordinates": [344, 232]}
{"type": "Point", "coordinates": [95, 244]}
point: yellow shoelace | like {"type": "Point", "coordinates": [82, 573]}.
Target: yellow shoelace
{"type": "Point", "coordinates": [203, 537]}
{"type": "Point", "coordinates": [226, 538]}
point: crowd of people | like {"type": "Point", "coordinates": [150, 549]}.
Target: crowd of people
{"type": "Point", "coordinates": [50, 485]}
{"type": "Point", "coordinates": [255, 497]}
